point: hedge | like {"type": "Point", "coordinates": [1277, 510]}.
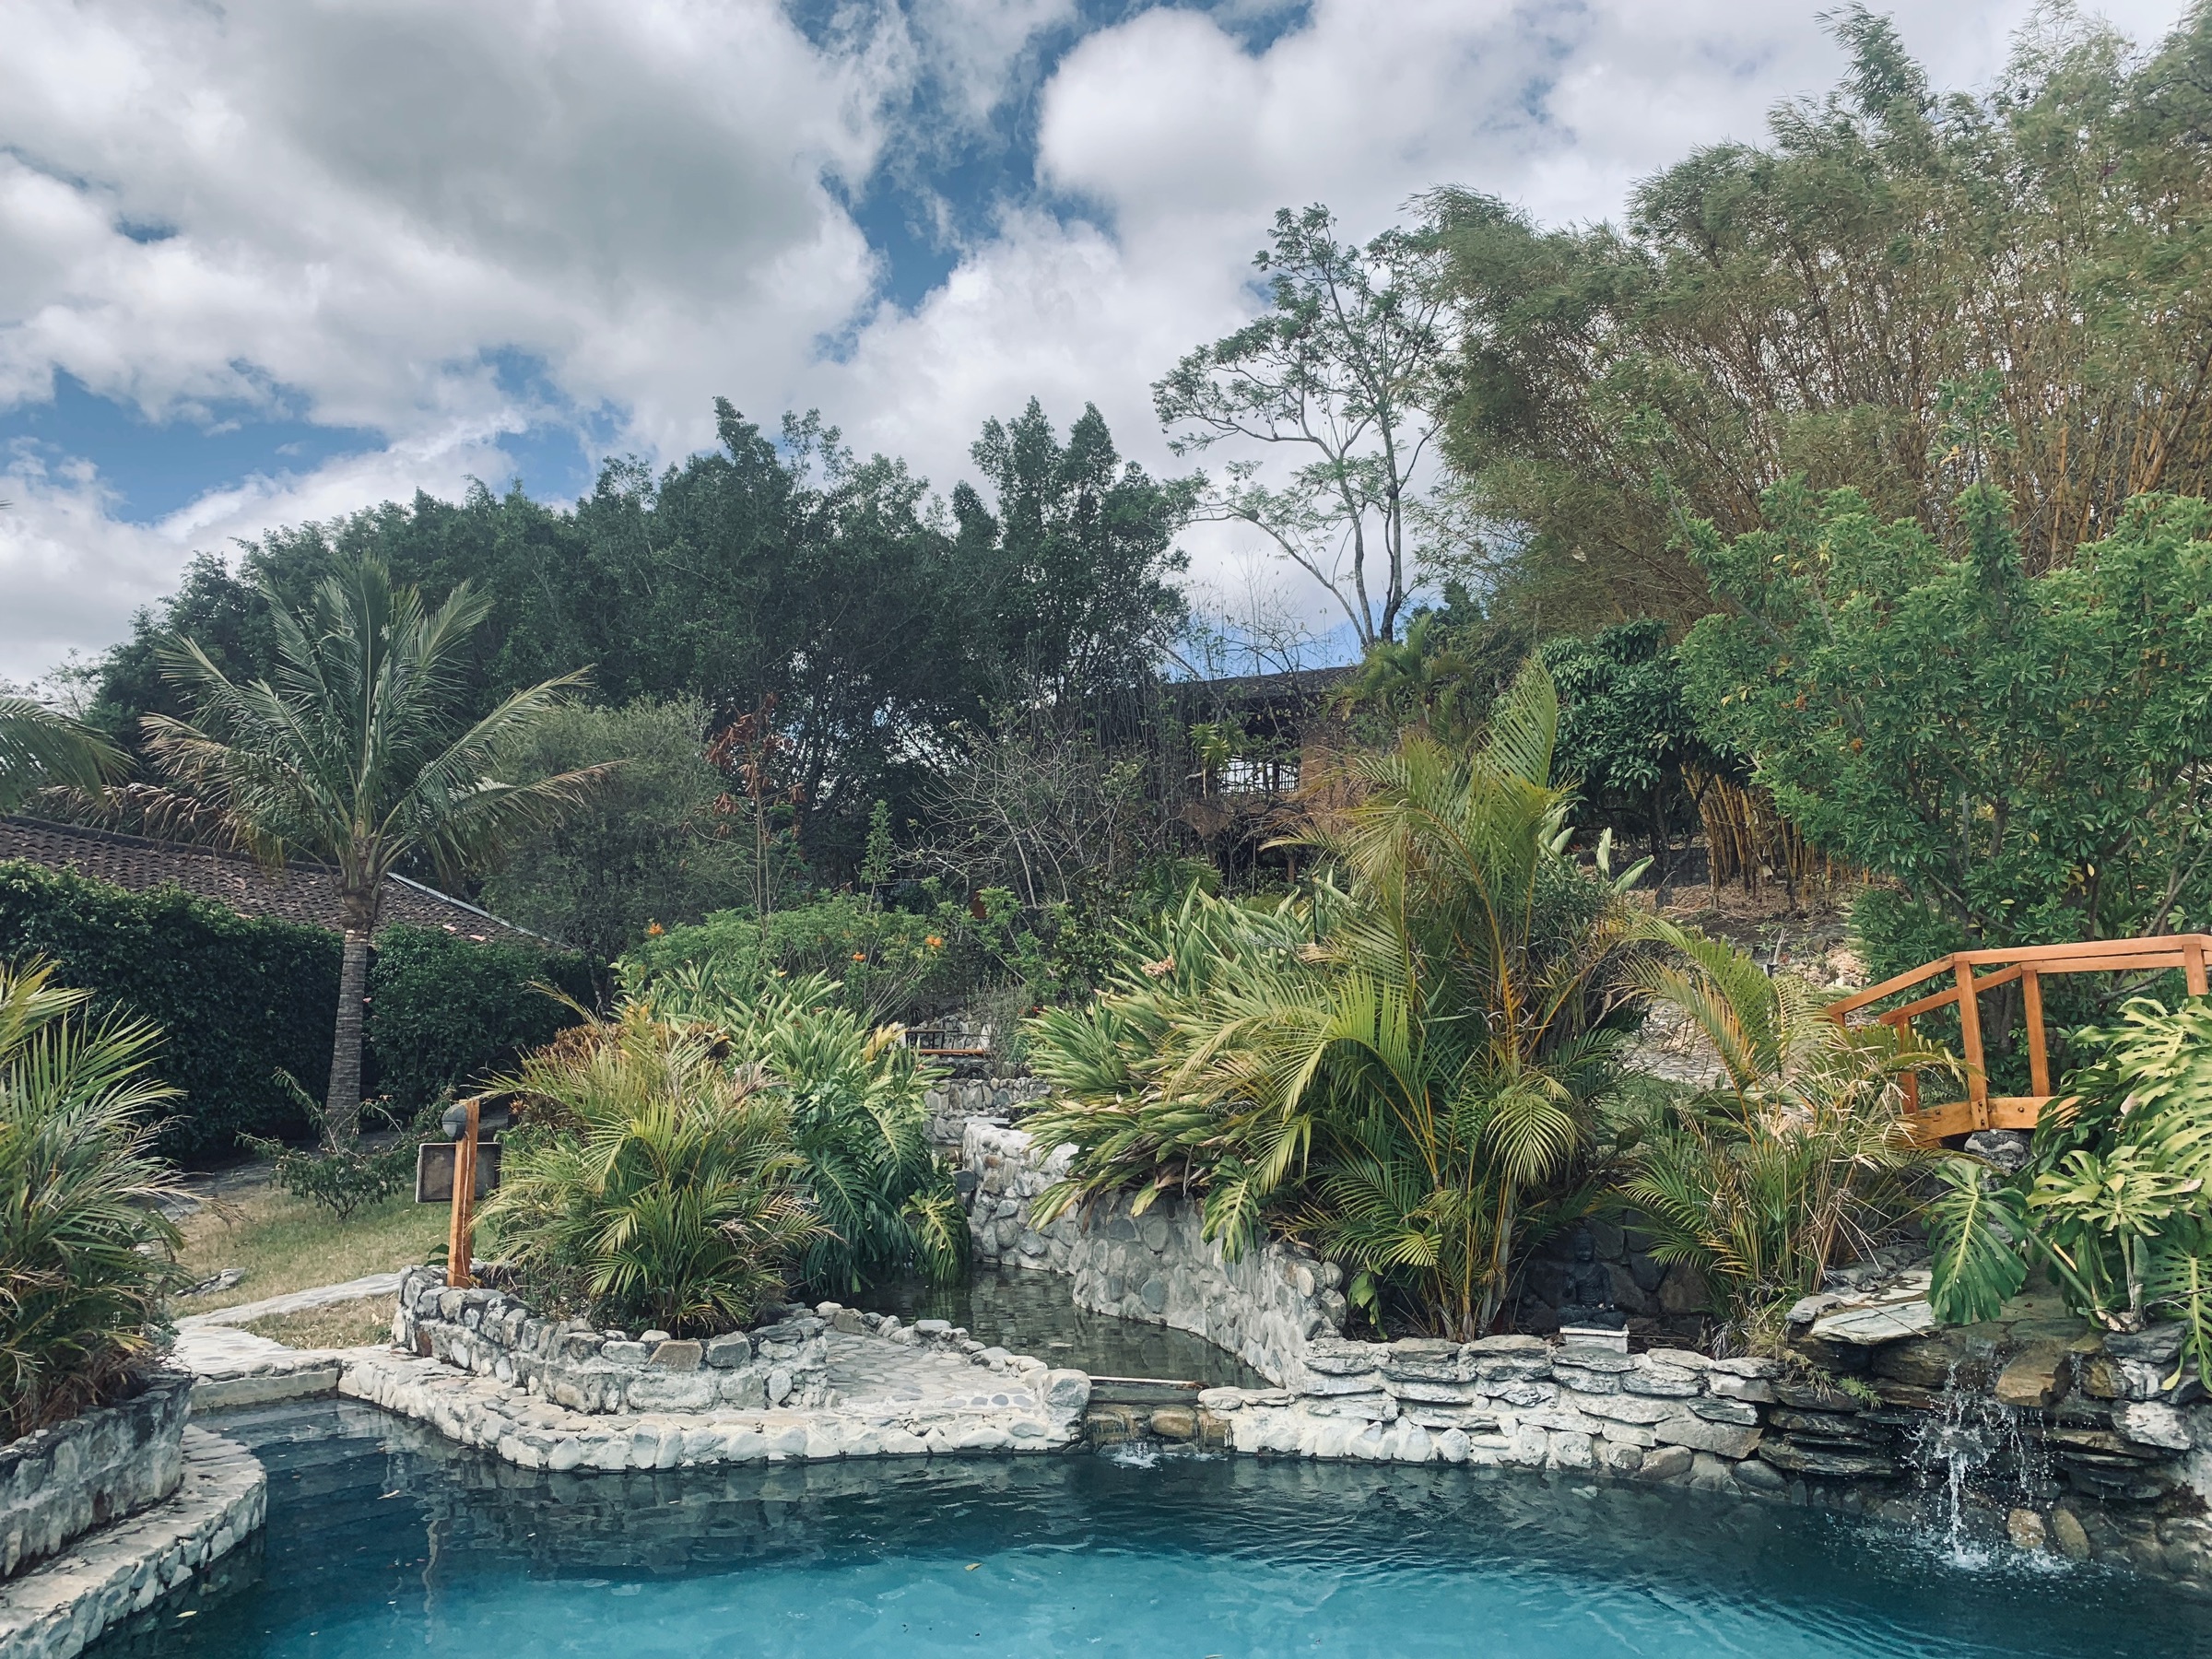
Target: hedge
{"type": "Point", "coordinates": [445, 1011]}
{"type": "Point", "coordinates": [238, 998]}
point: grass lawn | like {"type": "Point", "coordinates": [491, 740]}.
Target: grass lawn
{"type": "Point", "coordinates": [286, 1244]}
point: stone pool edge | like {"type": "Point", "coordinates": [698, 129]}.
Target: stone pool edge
{"type": "Point", "coordinates": [59, 1607]}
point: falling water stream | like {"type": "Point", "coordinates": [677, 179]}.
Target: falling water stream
{"type": "Point", "coordinates": [1974, 1443]}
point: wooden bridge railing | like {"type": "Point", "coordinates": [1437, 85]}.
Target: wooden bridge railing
{"type": "Point", "coordinates": [2030, 965]}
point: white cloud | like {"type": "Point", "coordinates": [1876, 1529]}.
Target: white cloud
{"type": "Point", "coordinates": [368, 198]}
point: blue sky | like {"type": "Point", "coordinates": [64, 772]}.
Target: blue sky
{"type": "Point", "coordinates": [272, 261]}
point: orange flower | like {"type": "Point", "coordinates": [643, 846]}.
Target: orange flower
{"type": "Point", "coordinates": [653, 930]}
{"type": "Point", "coordinates": [860, 956]}
{"type": "Point", "coordinates": [934, 942]}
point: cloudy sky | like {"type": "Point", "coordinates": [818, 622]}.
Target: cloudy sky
{"type": "Point", "coordinates": [263, 261]}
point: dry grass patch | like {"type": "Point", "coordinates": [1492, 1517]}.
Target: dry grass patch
{"type": "Point", "coordinates": [284, 1244]}
{"type": "Point", "coordinates": [341, 1325]}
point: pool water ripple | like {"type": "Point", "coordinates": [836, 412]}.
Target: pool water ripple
{"type": "Point", "coordinates": [384, 1539]}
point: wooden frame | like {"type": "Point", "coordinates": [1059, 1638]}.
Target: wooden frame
{"type": "Point", "coordinates": [2029, 965]}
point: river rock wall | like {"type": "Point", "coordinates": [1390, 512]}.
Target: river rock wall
{"type": "Point", "coordinates": [57, 1484]}
{"type": "Point", "coordinates": [491, 1333]}
{"type": "Point", "coordinates": [954, 1102]}
{"type": "Point", "coordinates": [1158, 1267]}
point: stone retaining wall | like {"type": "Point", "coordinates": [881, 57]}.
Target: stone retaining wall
{"type": "Point", "coordinates": [2086, 1473]}
{"type": "Point", "coordinates": [951, 1104]}
{"type": "Point", "coordinates": [491, 1333]}
{"type": "Point", "coordinates": [1157, 1267]}
{"type": "Point", "coordinates": [58, 1483]}
{"type": "Point", "coordinates": [57, 1609]}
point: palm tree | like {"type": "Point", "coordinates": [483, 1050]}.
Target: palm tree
{"type": "Point", "coordinates": [40, 748]}
{"type": "Point", "coordinates": [356, 754]}
{"type": "Point", "coordinates": [1407, 1070]}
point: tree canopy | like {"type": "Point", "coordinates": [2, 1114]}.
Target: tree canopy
{"type": "Point", "coordinates": [1901, 291]}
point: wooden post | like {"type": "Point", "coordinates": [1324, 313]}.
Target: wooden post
{"type": "Point", "coordinates": [2192, 964]}
{"type": "Point", "coordinates": [2038, 1055]}
{"type": "Point", "coordinates": [460, 1239]}
{"type": "Point", "coordinates": [1970, 1035]}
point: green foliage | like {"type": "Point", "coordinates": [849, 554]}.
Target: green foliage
{"type": "Point", "coordinates": [1794, 1163]}
{"type": "Point", "coordinates": [1407, 1070]}
{"type": "Point", "coordinates": [2113, 1199]}
{"type": "Point", "coordinates": [87, 1255]}
{"type": "Point", "coordinates": [656, 841]}
{"type": "Point", "coordinates": [857, 1123]}
{"type": "Point", "coordinates": [445, 1012]}
{"type": "Point", "coordinates": [651, 1185]}
{"type": "Point", "coordinates": [1831, 303]}
{"type": "Point", "coordinates": [1625, 729]}
{"type": "Point", "coordinates": [773, 565]}
{"type": "Point", "coordinates": [2027, 756]}
{"type": "Point", "coordinates": [238, 1000]}
{"type": "Point", "coordinates": [41, 748]}
{"type": "Point", "coordinates": [886, 964]}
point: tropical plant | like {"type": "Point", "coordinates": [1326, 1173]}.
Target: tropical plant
{"type": "Point", "coordinates": [87, 1253]}
{"type": "Point", "coordinates": [1792, 1161]}
{"type": "Point", "coordinates": [853, 1098]}
{"type": "Point", "coordinates": [1407, 1069]}
{"type": "Point", "coordinates": [651, 1185]}
{"type": "Point", "coordinates": [354, 754]}
{"type": "Point", "coordinates": [40, 748]}
{"type": "Point", "coordinates": [346, 1177]}
{"type": "Point", "coordinates": [2113, 1199]}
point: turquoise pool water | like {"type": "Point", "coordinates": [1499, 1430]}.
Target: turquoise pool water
{"type": "Point", "coordinates": [382, 1540]}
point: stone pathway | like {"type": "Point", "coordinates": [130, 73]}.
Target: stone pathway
{"type": "Point", "coordinates": [297, 1301]}
{"type": "Point", "coordinates": [870, 1373]}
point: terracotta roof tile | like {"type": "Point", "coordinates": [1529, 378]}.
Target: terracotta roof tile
{"type": "Point", "coordinates": [302, 892]}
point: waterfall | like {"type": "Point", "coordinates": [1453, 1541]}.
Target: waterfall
{"type": "Point", "coordinates": [1974, 1443]}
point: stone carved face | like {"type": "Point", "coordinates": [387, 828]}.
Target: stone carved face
{"type": "Point", "coordinates": [1585, 1249]}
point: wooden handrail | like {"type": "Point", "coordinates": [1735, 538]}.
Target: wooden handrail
{"type": "Point", "coordinates": [2028, 964]}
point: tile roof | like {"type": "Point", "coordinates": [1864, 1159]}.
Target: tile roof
{"type": "Point", "coordinates": [302, 892]}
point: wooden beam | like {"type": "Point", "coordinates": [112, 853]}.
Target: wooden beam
{"type": "Point", "coordinates": [2039, 1053]}
{"type": "Point", "coordinates": [1969, 1034]}
{"type": "Point", "coordinates": [2193, 963]}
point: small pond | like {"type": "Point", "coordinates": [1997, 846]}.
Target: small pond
{"type": "Point", "coordinates": [1031, 1312]}
{"type": "Point", "coordinates": [384, 1539]}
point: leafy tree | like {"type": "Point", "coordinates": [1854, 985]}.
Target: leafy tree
{"type": "Point", "coordinates": [1347, 374]}
{"type": "Point", "coordinates": [655, 841]}
{"type": "Point", "coordinates": [356, 754]}
{"type": "Point", "coordinates": [1064, 581]}
{"type": "Point", "coordinates": [1902, 291]}
{"type": "Point", "coordinates": [41, 748]}
{"type": "Point", "coordinates": [1626, 732]}
{"type": "Point", "coordinates": [2029, 757]}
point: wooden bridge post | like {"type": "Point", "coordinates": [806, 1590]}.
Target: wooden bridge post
{"type": "Point", "coordinates": [2039, 1053]}
{"type": "Point", "coordinates": [1969, 1034]}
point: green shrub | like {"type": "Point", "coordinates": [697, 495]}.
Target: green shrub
{"type": "Point", "coordinates": [87, 1256]}
{"type": "Point", "coordinates": [2113, 1199]}
{"type": "Point", "coordinates": [857, 1122]}
{"type": "Point", "coordinates": [650, 1184]}
{"type": "Point", "coordinates": [445, 1012]}
{"type": "Point", "coordinates": [237, 999]}
{"type": "Point", "coordinates": [342, 1174]}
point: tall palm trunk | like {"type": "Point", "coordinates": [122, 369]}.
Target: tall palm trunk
{"type": "Point", "coordinates": [342, 1103]}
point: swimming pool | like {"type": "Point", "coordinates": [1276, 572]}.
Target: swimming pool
{"type": "Point", "coordinates": [384, 1539]}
